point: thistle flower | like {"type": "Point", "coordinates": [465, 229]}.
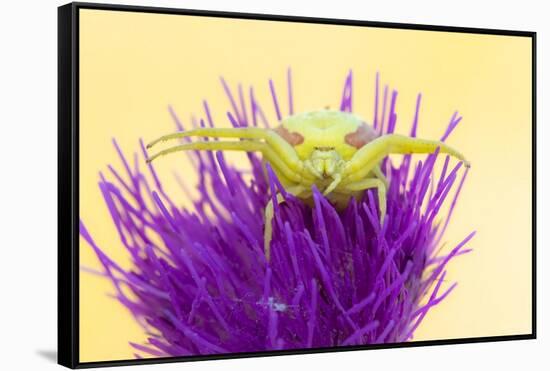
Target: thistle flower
{"type": "Point", "coordinates": [200, 283]}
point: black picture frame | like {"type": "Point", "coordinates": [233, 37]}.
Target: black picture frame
{"type": "Point", "coordinates": [68, 180]}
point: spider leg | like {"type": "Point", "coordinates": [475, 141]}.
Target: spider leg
{"type": "Point", "coordinates": [268, 230]}
{"type": "Point", "coordinates": [269, 210]}
{"type": "Point", "coordinates": [368, 183]}
{"type": "Point", "coordinates": [380, 175]}
{"type": "Point", "coordinates": [332, 186]}
{"type": "Point", "coordinates": [368, 156]}
{"type": "Point", "coordinates": [245, 146]}
{"type": "Point", "coordinates": [274, 140]}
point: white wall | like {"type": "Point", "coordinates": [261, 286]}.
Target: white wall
{"type": "Point", "coordinates": [28, 68]}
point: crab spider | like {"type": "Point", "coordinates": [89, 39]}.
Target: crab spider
{"type": "Point", "coordinates": [336, 151]}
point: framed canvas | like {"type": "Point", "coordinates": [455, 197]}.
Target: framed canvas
{"type": "Point", "coordinates": [238, 185]}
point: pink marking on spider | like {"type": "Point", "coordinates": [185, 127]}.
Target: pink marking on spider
{"type": "Point", "coordinates": [363, 135]}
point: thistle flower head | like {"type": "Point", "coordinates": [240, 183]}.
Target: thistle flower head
{"type": "Point", "coordinates": [200, 282]}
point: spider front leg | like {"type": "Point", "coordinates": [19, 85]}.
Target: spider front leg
{"type": "Point", "coordinates": [276, 143]}
{"type": "Point", "coordinates": [369, 156]}
{"type": "Point", "coordinates": [279, 163]}
{"type": "Point", "coordinates": [368, 183]}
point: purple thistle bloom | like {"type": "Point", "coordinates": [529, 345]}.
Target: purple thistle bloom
{"type": "Point", "coordinates": [335, 278]}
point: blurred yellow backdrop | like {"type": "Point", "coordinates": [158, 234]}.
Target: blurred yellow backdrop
{"type": "Point", "coordinates": [132, 65]}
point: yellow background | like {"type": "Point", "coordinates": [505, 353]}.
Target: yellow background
{"type": "Point", "coordinates": [132, 65]}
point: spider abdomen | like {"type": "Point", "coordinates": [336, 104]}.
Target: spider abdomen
{"type": "Point", "coordinates": [311, 131]}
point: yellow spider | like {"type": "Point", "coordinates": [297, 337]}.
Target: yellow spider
{"type": "Point", "coordinates": [336, 151]}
